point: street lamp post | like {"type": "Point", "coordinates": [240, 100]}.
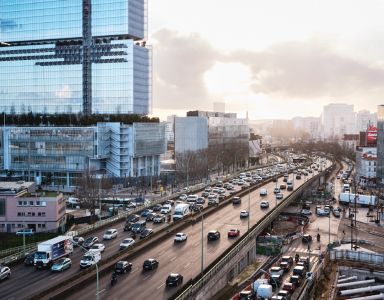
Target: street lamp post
{"type": "Point", "coordinates": [97, 268]}
{"type": "Point", "coordinates": [249, 206]}
{"type": "Point", "coordinates": [202, 242]}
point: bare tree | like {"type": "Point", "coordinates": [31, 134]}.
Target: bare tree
{"type": "Point", "coordinates": [90, 188]}
{"type": "Point", "coordinates": [191, 166]}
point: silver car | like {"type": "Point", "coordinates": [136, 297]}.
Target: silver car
{"type": "Point", "coordinates": [5, 272]}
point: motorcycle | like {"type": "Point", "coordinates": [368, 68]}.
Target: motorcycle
{"type": "Point", "coordinates": [318, 237]}
{"type": "Point", "coordinates": [113, 279]}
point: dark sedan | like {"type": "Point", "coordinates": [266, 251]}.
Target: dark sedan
{"type": "Point", "coordinates": [150, 264]}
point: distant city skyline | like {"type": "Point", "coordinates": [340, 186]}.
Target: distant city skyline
{"type": "Point", "coordinates": [301, 56]}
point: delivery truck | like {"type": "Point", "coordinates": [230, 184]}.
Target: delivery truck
{"type": "Point", "coordinates": [50, 251]}
{"type": "Point", "coordinates": [364, 200]}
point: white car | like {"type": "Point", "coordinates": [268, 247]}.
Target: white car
{"type": "Point", "coordinates": [110, 234]}
{"type": "Point", "coordinates": [279, 196]}
{"type": "Point", "coordinates": [244, 214]}
{"type": "Point", "coordinates": [306, 212]}
{"type": "Point", "coordinates": [126, 243]}
{"type": "Point", "coordinates": [183, 197]}
{"type": "Point", "coordinates": [263, 192]}
{"type": "Point", "coordinates": [97, 248]}
{"type": "Point", "coordinates": [180, 237]}
{"type": "Point", "coordinates": [165, 209]}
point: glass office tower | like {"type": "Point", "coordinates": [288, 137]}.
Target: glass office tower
{"type": "Point", "coordinates": [74, 56]}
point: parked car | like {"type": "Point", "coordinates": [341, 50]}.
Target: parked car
{"type": "Point", "coordinates": [233, 232]}
{"type": "Point", "coordinates": [264, 204]}
{"type": "Point", "coordinates": [145, 233]}
{"type": "Point", "coordinates": [110, 234]}
{"type": "Point", "coordinates": [213, 235]}
{"type": "Point", "coordinates": [25, 232]}
{"type": "Point", "coordinates": [150, 264]}
{"type": "Point", "coordinates": [89, 242]}
{"type": "Point", "coordinates": [244, 214]}
{"type": "Point", "coordinates": [174, 279]}
{"type": "Point", "coordinates": [5, 272]}
{"type": "Point", "coordinates": [123, 266]}
{"type": "Point", "coordinates": [61, 265]}
{"type": "Point", "coordinates": [126, 243]}
{"type": "Point", "coordinates": [307, 238]}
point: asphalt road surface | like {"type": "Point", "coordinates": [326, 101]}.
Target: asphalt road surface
{"type": "Point", "coordinates": [184, 258]}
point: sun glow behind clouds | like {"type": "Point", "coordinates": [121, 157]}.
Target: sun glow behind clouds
{"type": "Point", "coordinates": [228, 80]}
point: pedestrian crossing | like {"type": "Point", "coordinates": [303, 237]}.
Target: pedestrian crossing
{"type": "Point", "coordinates": [316, 251]}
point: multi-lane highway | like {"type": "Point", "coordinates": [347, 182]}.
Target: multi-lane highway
{"type": "Point", "coordinates": [16, 287]}
{"type": "Point", "coordinates": [184, 258]}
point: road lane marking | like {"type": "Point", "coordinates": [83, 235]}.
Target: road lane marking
{"type": "Point", "coordinates": [173, 258]}
{"type": "Point", "coordinates": [103, 290]}
{"type": "Point", "coordinates": [134, 270]}
{"type": "Point", "coordinates": [160, 286]}
{"type": "Point", "coordinates": [187, 265]}
{"type": "Point", "coordinates": [146, 277]}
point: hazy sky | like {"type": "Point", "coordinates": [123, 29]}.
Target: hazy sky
{"type": "Point", "coordinates": [276, 59]}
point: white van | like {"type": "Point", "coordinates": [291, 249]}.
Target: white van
{"type": "Point", "coordinates": [89, 259]}
{"type": "Point", "coordinates": [263, 192]}
{"type": "Point", "coordinates": [181, 211]}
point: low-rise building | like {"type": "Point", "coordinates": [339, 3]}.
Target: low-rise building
{"type": "Point", "coordinates": [22, 207]}
{"type": "Point", "coordinates": [366, 159]}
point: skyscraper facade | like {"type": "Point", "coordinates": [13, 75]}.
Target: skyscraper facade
{"type": "Point", "coordinates": [74, 56]}
{"type": "Point", "coordinates": [338, 119]}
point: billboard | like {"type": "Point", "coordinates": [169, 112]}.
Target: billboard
{"type": "Point", "coordinates": [371, 136]}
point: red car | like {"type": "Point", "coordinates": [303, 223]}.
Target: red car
{"type": "Point", "coordinates": [233, 232]}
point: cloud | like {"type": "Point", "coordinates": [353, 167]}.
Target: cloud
{"type": "Point", "coordinates": [179, 66]}
{"type": "Point", "coordinates": [309, 70]}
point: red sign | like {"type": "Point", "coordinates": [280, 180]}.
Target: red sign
{"type": "Point", "coordinates": [371, 135]}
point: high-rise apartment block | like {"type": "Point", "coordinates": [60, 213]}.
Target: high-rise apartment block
{"type": "Point", "coordinates": [338, 119]}
{"type": "Point", "coordinates": [76, 56]}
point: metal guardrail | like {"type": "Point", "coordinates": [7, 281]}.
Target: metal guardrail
{"type": "Point", "coordinates": [19, 254]}
{"type": "Point", "coordinates": [17, 249]}
{"type": "Point", "coordinates": [359, 256]}
{"type": "Point", "coordinates": [257, 228]}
